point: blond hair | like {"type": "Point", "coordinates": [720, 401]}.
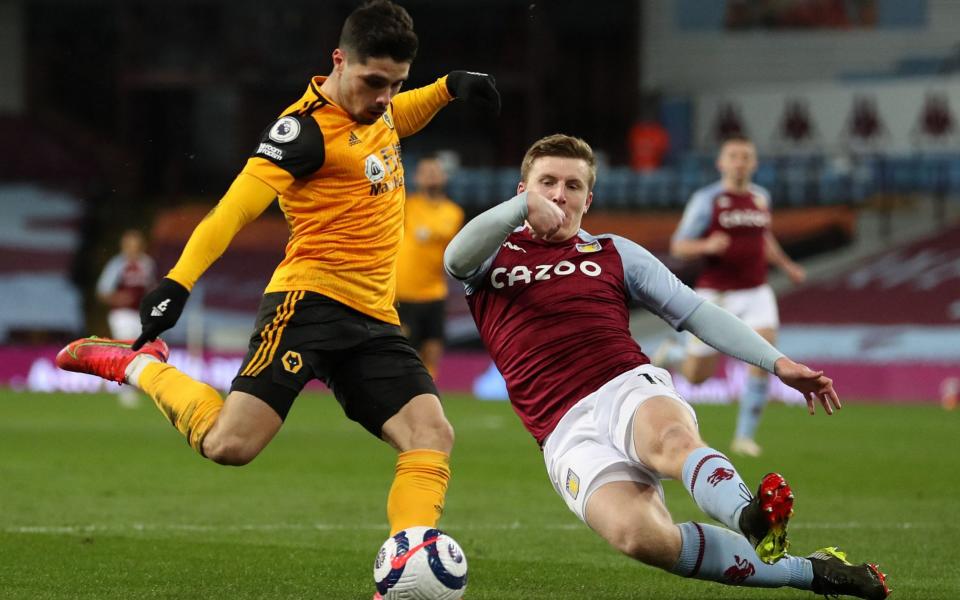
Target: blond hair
{"type": "Point", "coordinates": [564, 146]}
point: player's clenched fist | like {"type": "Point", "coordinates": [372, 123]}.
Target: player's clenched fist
{"type": "Point", "coordinates": [478, 88]}
{"type": "Point", "coordinates": [545, 217]}
{"type": "Point", "coordinates": [160, 310]}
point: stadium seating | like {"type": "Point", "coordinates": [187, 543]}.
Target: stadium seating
{"type": "Point", "coordinates": [793, 180]}
{"type": "Point", "coordinates": [39, 234]}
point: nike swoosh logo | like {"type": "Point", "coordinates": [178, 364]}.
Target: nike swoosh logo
{"type": "Point", "coordinates": [73, 349]}
{"type": "Point", "coordinates": [399, 561]}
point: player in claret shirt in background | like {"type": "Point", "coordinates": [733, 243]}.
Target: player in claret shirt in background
{"type": "Point", "coordinates": [727, 224]}
{"type": "Point", "coordinates": [552, 305]}
{"type": "Point", "coordinates": [122, 285]}
{"type": "Point", "coordinates": [333, 159]}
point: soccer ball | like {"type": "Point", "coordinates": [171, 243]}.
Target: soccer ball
{"type": "Point", "coordinates": [420, 563]}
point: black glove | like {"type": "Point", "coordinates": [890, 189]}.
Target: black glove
{"type": "Point", "coordinates": [479, 88]}
{"type": "Point", "coordinates": [160, 310]}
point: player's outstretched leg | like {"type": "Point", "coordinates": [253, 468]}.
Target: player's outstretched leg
{"type": "Point", "coordinates": [716, 554]}
{"type": "Point", "coordinates": [106, 358]}
{"type": "Point", "coordinates": [833, 575]}
{"type": "Point", "coordinates": [720, 492]}
{"type": "Point", "coordinates": [190, 406]}
{"type": "Point", "coordinates": [634, 520]}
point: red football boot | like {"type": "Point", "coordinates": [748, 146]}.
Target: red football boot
{"type": "Point", "coordinates": [106, 358]}
{"type": "Point", "coordinates": [764, 520]}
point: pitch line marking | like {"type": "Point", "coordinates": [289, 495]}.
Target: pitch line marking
{"type": "Point", "coordinates": [271, 527]}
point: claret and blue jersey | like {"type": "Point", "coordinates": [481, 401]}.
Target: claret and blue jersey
{"type": "Point", "coordinates": [555, 316]}
{"type": "Point", "coordinates": [745, 217]}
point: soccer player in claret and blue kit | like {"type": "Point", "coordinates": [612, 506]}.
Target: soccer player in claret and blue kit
{"type": "Point", "coordinates": [727, 226]}
{"type": "Point", "coordinates": [552, 305]}
{"type": "Point", "coordinates": [332, 158]}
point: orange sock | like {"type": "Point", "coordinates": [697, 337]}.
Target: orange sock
{"type": "Point", "coordinates": [190, 406]}
{"type": "Point", "coordinates": [418, 490]}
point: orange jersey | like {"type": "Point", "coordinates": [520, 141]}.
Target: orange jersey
{"type": "Point", "coordinates": [341, 188]}
{"type": "Point", "coordinates": [429, 225]}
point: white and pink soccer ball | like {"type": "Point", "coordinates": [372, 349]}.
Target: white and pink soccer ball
{"type": "Point", "coordinates": [420, 563]}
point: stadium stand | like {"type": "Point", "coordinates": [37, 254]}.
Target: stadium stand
{"type": "Point", "coordinates": [39, 236]}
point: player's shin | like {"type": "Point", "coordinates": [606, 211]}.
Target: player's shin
{"type": "Point", "coordinates": [716, 554]}
{"type": "Point", "coordinates": [716, 486]}
{"type": "Point", "coordinates": [190, 405]}
{"type": "Point", "coordinates": [751, 405]}
{"type": "Point", "coordinates": [418, 490]}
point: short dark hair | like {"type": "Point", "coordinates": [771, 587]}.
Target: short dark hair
{"type": "Point", "coordinates": [736, 138]}
{"type": "Point", "coordinates": [379, 28]}
{"type": "Point", "coordinates": [564, 146]}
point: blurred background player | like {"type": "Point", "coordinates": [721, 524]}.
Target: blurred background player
{"type": "Point", "coordinates": [431, 219]}
{"type": "Point", "coordinates": [332, 159]}
{"type": "Point", "coordinates": [122, 285]}
{"type": "Point", "coordinates": [551, 303]}
{"type": "Point", "coordinates": [727, 225]}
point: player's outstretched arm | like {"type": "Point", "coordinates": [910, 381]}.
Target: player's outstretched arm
{"type": "Point", "coordinates": [244, 201]}
{"type": "Point", "coordinates": [413, 109]}
{"type": "Point", "coordinates": [732, 336]}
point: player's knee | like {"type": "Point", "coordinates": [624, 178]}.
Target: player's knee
{"type": "Point", "coordinates": [229, 450]}
{"type": "Point", "coordinates": [671, 444]}
{"type": "Point", "coordinates": [437, 434]}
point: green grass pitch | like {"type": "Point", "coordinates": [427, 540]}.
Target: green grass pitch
{"type": "Point", "coordinates": [102, 502]}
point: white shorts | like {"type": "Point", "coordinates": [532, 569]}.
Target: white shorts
{"type": "Point", "coordinates": [593, 443]}
{"type": "Point", "coordinates": [124, 323]}
{"type": "Point", "coordinates": [757, 307]}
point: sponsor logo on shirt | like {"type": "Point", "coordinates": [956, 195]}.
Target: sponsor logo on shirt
{"type": "Point", "coordinates": [270, 151]}
{"type": "Point", "coordinates": [744, 218]}
{"type": "Point", "coordinates": [503, 277]}
{"type": "Point", "coordinates": [384, 170]}
{"type": "Point", "coordinates": [374, 169]}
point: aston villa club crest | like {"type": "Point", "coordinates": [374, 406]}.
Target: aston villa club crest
{"type": "Point", "coordinates": [593, 246]}
{"type": "Point", "coordinates": [573, 484]}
